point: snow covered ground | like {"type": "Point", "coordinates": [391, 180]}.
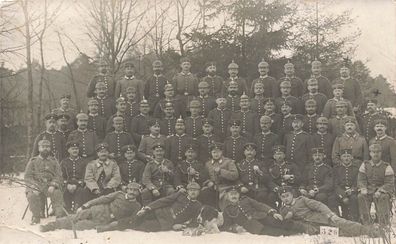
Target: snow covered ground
{"type": "Point", "coordinates": [14, 230]}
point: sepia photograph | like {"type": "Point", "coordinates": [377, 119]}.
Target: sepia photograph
{"type": "Point", "coordinates": [197, 121]}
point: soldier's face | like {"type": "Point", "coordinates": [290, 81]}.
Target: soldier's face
{"type": "Point", "coordinates": [316, 69]}
{"type": "Point", "coordinates": [203, 90]}
{"type": "Point", "coordinates": [380, 129]}
{"type": "Point", "coordinates": [371, 107]}
{"type": "Point", "coordinates": [65, 102]}
{"type": "Point", "coordinates": [375, 155]}
{"type": "Point", "coordinates": [180, 127]}
{"type": "Point", "coordinates": [44, 149]}
{"type": "Point", "coordinates": [338, 92]}
{"type": "Point", "coordinates": [129, 70]}
{"type": "Point", "coordinates": [211, 70]}
{"type": "Point", "coordinates": [313, 87]}
{"type": "Point", "coordinates": [216, 154]}
{"type": "Point", "coordinates": [311, 109]}
{"type": "Point", "coordinates": [144, 109]}
{"type": "Point", "coordinates": [285, 90]}
{"type": "Point", "coordinates": [233, 89]}
{"type": "Point", "coordinates": [93, 108]}
{"type": "Point", "coordinates": [193, 193]}
{"type": "Point", "coordinates": [250, 153]}
{"type": "Point", "coordinates": [132, 193]}
{"type": "Point", "coordinates": [101, 91]}
{"type": "Point", "coordinates": [130, 154]}
{"type": "Point", "coordinates": [118, 125]}
{"type": "Point", "coordinates": [190, 155]}
{"type": "Point", "coordinates": [269, 106]}
{"type": "Point", "coordinates": [73, 151]}
{"type": "Point", "coordinates": [318, 157]}
{"type": "Point", "coordinates": [169, 93]}
{"type": "Point", "coordinates": [258, 89]}
{"type": "Point", "coordinates": [131, 95]}
{"type": "Point", "coordinates": [285, 109]}
{"type": "Point", "coordinates": [322, 127]}
{"type": "Point", "coordinates": [350, 127]}
{"type": "Point", "coordinates": [346, 158]}
{"type": "Point", "coordinates": [155, 129]}
{"type": "Point", "coordinates": [289, 70]}
{"type": "Point", "coordinates": [62, 123]}
{"type": "Point", "coordinates": [121, 106]}
{"type": "Point", "coordinates": [159, 152]}
{"type": "Point", "coordinates": [233, 196]}
{"type": "Point", "coordinates": [169, 111]}
{"type": "Point", "coordinates": [286, 198]}
{"type": "Point", "coordinates": [297, 124]}
{"type": "Point", "coordinates": [279, 156]}
{"type": "Point", "coordinates": [244, 103]}
{"type": "Point", "coordinates": [344, 72]}
{"type": "Point", "coordinates": [103, 69]}
{"type": "Point", "coordinates": [340, 110]}
{"type": "Point", "coordinates": [158, 69]}
{"type": "Point", "coordinates": [207, 128]}
{"type": "Point", "coordinates": [50, 124]}
{"type": "Point", "coordinates": [235, 129]}
{"type": "Point", "coordinates": [195, 110]}
{"type": "Point", "coordinates": [265, 125]}
{"type": "Point", "coordinates": [82, 123]}
{"type": "Point", "coordinates": [221, 102]}
{"type": "Point", "coordinates": [103, 154]}
{"type": "Point", "coordinates": [186, 66]}
{"type": "Point", "coordinates": [233, 72]}
{"type": "Point", "coordinates": [263, 70]}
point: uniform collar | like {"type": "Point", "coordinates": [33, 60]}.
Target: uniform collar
{"type": "Point", "coordinates": [82, 131]}
{"type": "Point", "coordinates": [320, 133]}
{"type": "Point", "coordinates": [74, 159]}
{"type": "Point", "coordinates": [287, 115]}
{"type": "Point", "coordinates": [93, 115]}
{"type": "Point", "coordinates": [297, 133]}
{"type": "Point", "coordinates": [376, 165]}
{"type": "Point", "coordinates": [218, 161]}
{"type": "Point", "coordinates": [129, 77]}
{"type": "Point", "coordinates": [381, 138]}
{"type": "Point", "coordinates": [266, 133]}
{"type": "Point", "coordinates": [351, 136]}
{"type": "Point", "coordinates": [346, 78]}
{"type": "Point", "coordinates": [159, 162]}
{"type": "Point", "coordinates": [100, 163]}
{"type": "Point", "coordinates": [263, 76]}
{"type": "Point", "coordinates": [101, 98]}
{"type": "Point", "coordinates": [155, 137]}
{"type": "Point", "coordinates": [234, 78]}
{"type": "Point", "coordinates": [51, 133]}
{"type": "Point", "coordinates": [185, 74]}
{"type": "Point", "coordinates": [311, 115]}
{"type": "Point", "coordinates": [157, 75]}
{"type": "Point", "coordinates": [343, 117]}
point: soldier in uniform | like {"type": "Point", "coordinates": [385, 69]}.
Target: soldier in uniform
{"type": "Point", "coordinates": [132, 105]}
{"type": "Point", "coordinates": [313, 93]}
{"type": "Point", "coordinates": [248, 118]}
{"type": "Point", "coordinates": [106, 103]}
{"type": "Point", "coordinates": [297, 84]}
{"type": "Point", "coordinates": [317, 178]}
{"type": "Point", "coordinates": [96, 122]}
{"type": "Point", "coordinates": [193, 123]}
{"type": "Point", "coordinates": [253, 175]}
{"type": "Point", "coordinates": [104, 77]}
{"type": "Point", "coordinates": [86, 138]}
{"type": "Point", "coordinates": [345, 188]}
{"type": "Point", "coordinates": [63, 129]}
{"type": "Point", "coordinates": [102, 175]}
{"type": "Point", "coordinates": [265, 140]}
{"type": "Point", "coordinates": [337, 122]}
{"type": "Point", "coordinates": [323, 82]}
{"type": "Point", "coordinates": [208, 102]}
{"type": "Point", "coordinates": [258, 100]}
{"type": "Point", "coordinates": [148, 141]}
{"type": "Point", "coordinates": [57, 140]}
{"type": "Point", "coordinates": [185, 84]}
{"type": "Point", "coordinates": [159, 176]}
{"type": "Point", "coordinates": [174, 144]}
{"type": "Point", "coordinates": [387, 143]}
{"type": "Point", "coordinates": [65, 108]}
{"type": "Point", "coordinates": [323, 138]}
{"type": "Point", "coordinates": [222, 174]}
{"type": "Point", "coordinates": [232, 96]}
{"type": "Point", "coordinates": [43, 178]}
{"type": "Point", "coordinates": [316, 214]}
{"type": "Point", "coordinates": [367, 119]}
{"type": "Point", "coordinates": [100, 211]}
{"type": "Point", "coordinates": [129, 80]}
{"type": "Point", "coordinates": [121, 112]}
{"type": "Point", "coordinates": [297, 143]}
{"type": "Point", "coordinates": [178, 104]}
{"type": "Point", "coordinates": [215, 82]}
{"type": "Point", "coordinates": [73, 171]}
{"type": "Point", "coordinates": [270, 111]}
{"type": "Point", "coordinates": [376, 185]}
{"type": "Point", "coordinates": [350, 140]}
{"type": "Point", "coordinates": [240, 82]}
{"type": "Point", "coordinates": [220, 117]}
{"type": "Point", "coordinates": [154, 87]}
{"type": "Point", "coordinates": [282, 173]}
{"type": "Point", "coordinates": [271, 86]}
{"type": "Point", "coordinates": [285, 124]}
{"type": "Point", "coordinates": [285, 89]}
{"type": "Point", "coordinates": [167, 124]}
{"type": "Point", "coordinates": [131, 168]}
{"type": "Point", "coordinates": [329, 109]}
{"type": "Point", "coordinates": [310, 117]}
{"type": "Point", "coordinates": [233, 144]}
{"type": "Point", "coordinates": [117, 138]}
{"type": "Point", "coordinates": [206, 139]}
{"type": "Point", "coordinates": [139, 124]}
{"type": "Point", "coordinates": [190, 169]}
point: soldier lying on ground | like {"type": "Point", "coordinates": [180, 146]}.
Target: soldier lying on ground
{"type": "Point", "coordinates": [100, 211]}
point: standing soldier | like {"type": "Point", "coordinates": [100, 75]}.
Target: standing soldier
{"type": "Point", "coordinates": [350, 139]}
{"type": "Point", "coordinates": [240, 82]}
{"type": "Point", "coordinates": [194, 122]}
{"type": "Point", "coordinates": [248, 118]}
{"type": "Point", "coordinates": [106, 103]}
{"type": "Point", "coordinates": [233, 97]}
{"type": "Point", "coordinates": [253, 175]}
{"type": "Point", "coordinates": [207, 102]}
{"type": "Point", "coordinates": [375, 184]}
{"type": "Point", "coordinates": [313, 93]}
{"type": "Point", "coordinates": [159, 176]}
{"type": "Point", "coordinates": [139, 124]}
{"type": "Point", "coordinates": [178, 104]}
{"type": "Point", "coordinates": [223, 173]}
{"type": "Point", "coordinates": [132, 105]}
{"type": "Point", "coordinates": [43, 179]}
{"type": "Point", "coordinates": [220, 117]}
{"type": "Point", "coordinates": [265, 140]}
{"type": "Point", "coordinates": [329, 110]}
{"type": "Point", "coordinates": [57, 140]}
{"type": "Point", "coordinates": [337, 122]}
{"type": "Point", "coordinates": [345, 192]}
{"type": "Point", "coordinates": [174, 145]}
{"type": "Point", "coordinates": [62, 124]}
{"type": "Point", "coordinates": [86, 138]}
{"type": "Point", "coordinates": [258, 100]}
{"type": "Point", "coordinates": [323, 82]}
{"type": "Point", "coordinates": [148, 141]}
{"type": "Point", "coordinates": [65, 108]}
{"type": "Point", "coordinates": [96, 122]}
{"type": "Point", "coordinates": [206, 139]}
{"type": "Point", "coordinates": [190, 169]}
{"type": "Point", "coordinates": [121, 112]}
{"type": "Point", "coordinates": [352, 89]}
{"type": "Point", "coordinates": [117, 139]}
{"type": "Point", "coordinates": [317, 178]}
{"type": "Point", "coordinates": [105, 77]}
{"type": "Point", "coordinates": [73, 171]}
{"type": "Point", "coordinates": [310, 117]}
{"type": "Point", "coordinates": [167, 124]}
{"type": "Point", "coordinates": [154, 87]}
{"type": "Point", "coordinates": [323, 138]}
{"type": "Point", "coordinates": [271, 86]}
{"type": "Point", "coordinates": [215, 82]}
{"type": "Point", "coordinates": [185, 83]}
{"type": "Point", "coordinates": [285, 89]}
{"type": "Point", "coordinates": [285, 124]}
{"type": "Point", "coordinates": [366, 121]}
{"type": "Point", "coordinates": [131, 169]}
{"type": "Point", "coordinates": [129, 80]}
{"type": "Point", "coordinates": [297, 89]}
{"type": "Point", "coordinates": [233, 144]}
{"type": "Point", "coordinates": [269, 110]}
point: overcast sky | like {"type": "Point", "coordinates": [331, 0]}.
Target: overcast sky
{"type": "Point", "coordinates": [376, 45]}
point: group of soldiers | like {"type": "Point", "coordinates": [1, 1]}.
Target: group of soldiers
{"type": "Point", "coordinates": [274, 156]}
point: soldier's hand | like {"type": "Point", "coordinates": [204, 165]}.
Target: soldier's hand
{"type": "Point", "coordinates": [35, 192]}
{"type": "Point", "coordinates": [191, 171]}
{"type": "Point", "coordinates": [311, 193]}
{"type": "Point", "coordinates": [96, 191]}
{"type": "Point", "coordinates": [303, 192]}
{"type": "Point", "coordinates": [348, 191]}
{"type": "Point", "coordinates": [377, 194]}
{"type": "Point", "coordinates": [141, 212]}
{"type": "Point", "coordinates": [156, 193]}
{"type": "Point", "coordinates": [278, 216]}
{"type": "Point", "coordinates": [289, 215]}
{"type": "Point", "coordinates": [210, 184]}
{"type": "Point", "coordinates": [178, 227]}
{"type": "Point", "coordinates": [257, 170]}
{"type": "Point", "coordinates": [345, 200]}
{"type": "Point", "coordinates": [51, 189]}
{"type": "Point", "coordinates": [363, 191]}
{"type": "Point", "coordinates": [164, 169]}
{"type": "Point", "coordinates": [244, 189]}
{"type": "Point", "coordinates": [181, 189]}
{"type": "Point", "coordinates": [123, 188]}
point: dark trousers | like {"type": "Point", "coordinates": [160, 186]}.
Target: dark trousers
{"type": "Point", "coordinates": [74, 200]}
{"type": "Point", "coordinates": [349, 209]}
{"type": "Point", "coordinates": [147, 195]}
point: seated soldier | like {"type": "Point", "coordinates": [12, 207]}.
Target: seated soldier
{"type": "Point", "coordinates": [190, 169]}
{"type": "Point", "coordinates": [159, 176]}
{"type": "Point", "coordinates": [100, 211]}
{"type": "Point", "coordinates": [318, 179]}
{"type": "Point", "coordinates": [315, 214]}
{"type": "Point", "coordinates": [43, 178]}
{"type": "Point", "coordinates": [282, 173]}
{"type": "Point", "coordinates": [246, 214]}
{"type": "Point", "coordinates": [131, 169]}
{"type": "Point", "coordinates": [253, 175]}
{"type": "Point", "coordinates": [73, 171]}
{"type": "Point", "coordinates": [375, 183]}
{"type": "Point", "coordinates": [345, 190]}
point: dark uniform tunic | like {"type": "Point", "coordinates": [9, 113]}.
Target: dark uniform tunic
{"type": "Point", "coordinates": [319, 98]}
{"type": "Point", "coordinates": [205, 142]}
{"type": "Point", "coordinates": [125, 82]}
{"type": "Point", "coordinates": [186, 176]}
{"type": "Point", "coordinates": [215, 84]}
{"type": "Point", "coordinates": [271, 86]}
{"type": "Point", "coordinates": [324, 86]}
{"type": "Point", "coordinates": [97, 124]}
{"type": "Point", "coordinates": [265, 142]}
{"type": "Point", "coordinates": [116, 140]}
{"type": "Point", "coordinates": [249, 122]}
{"type": "Point", "coordinates": [207, 104]}
{"type": "Point", "coordinates": [71, 112]}
{"type": "Point", "coordinates": [107, 79]}
{"type": "Point", "coordinates": [140, 127]}
{"type": "Point", "coordinates": [58, 144]}
{"type": "Point", "coordinates": [65, 134]}
{"type": "Point", "coordinates": [131, 171]}
{"type": "Point", "coordinates": [174, 147]}
{"type": "Point", "coordinates": [352, 90]}
{"type": "Point", "coordinates": [310, 123]}
{"type": "Point", "coordinates": [325, 141]}
{"type": "Point", "coordinates": [257, 105]}
{"type": "Point", "coordinates": [87, 140]}
{"type": "Point", "coordinates": [285, 126]}
{"type": "Point", "coordinates": [233, 102]}
{"type": "Point", "coordinates": [186, 88]}
{"type": "Point", "coordinates": [355, 142]}
{"type": "Point", "coordinates": [297, 148]}
{"type": "Point", "coordinates": [154, 89]}
{"type": "Point", "coordinates": [319, 176]}
{"type": "Point", "coordinates": [233, 147]}
{"type": "Point", "coordinates": [147, 143]}
{"type": "Point", "coordinates": [194, 126]}
{"type": "Point", "coordinates": [297, 88]}
{"type": "Point", "coordinates": [220, 118]}
{"type": "Point", "coordinates": [106, 106]}
{"type": "Point", "coordinates": [296, 104]}
{"type": "Point", "coordinates": [242, 86]}
{"type": "Point", "coordinates": [167, 126]}
{"type": "Point", "coordinates": [277, 171]}
{"type": "Point", "coordinates": [178, 106]}
{"type": "Point", "coordinates": [127, 122]}
{"type": "Point", "coordinates": [132, 108]}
